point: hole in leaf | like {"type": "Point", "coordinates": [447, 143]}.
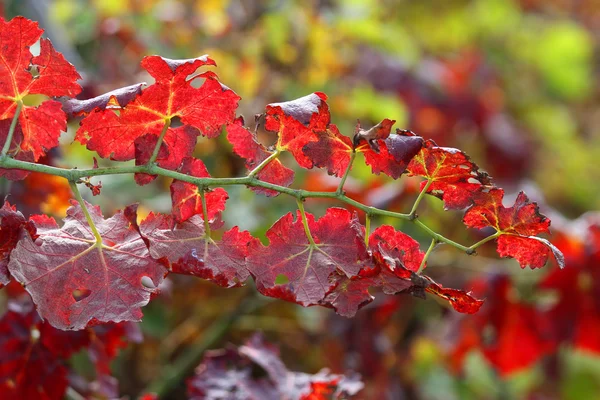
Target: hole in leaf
{"type": "Point", "coordinates": [281, 279]}
{"type": "Point", "coordinates": [81, 294]}
{"type": "Point", "coordinates": [148, 283]}
{"type": "Point", "coordinates": [176, 122]}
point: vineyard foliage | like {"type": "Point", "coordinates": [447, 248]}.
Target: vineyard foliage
{"type": "Point", "coordinates": [89, 276]}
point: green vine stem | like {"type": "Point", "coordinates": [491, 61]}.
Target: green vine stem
{"type": "Point", "coordinates": [204, 212]}
{"type": "Point", "coordinates": [305, 222]}
{"type": "Point", "coordinates": [434, 242]}
{"type": "Point", "coordinates": [485, 240]}
{"type": "Point", "coordinates": [413, 211]}
{"type": "Point", "coordinates": [11, 130]}
{"type": "Point", "coordinates": [88, 217]}
{"type": "Point", "coordinates": [263, 164]}
{"type": "Point", "coordinates": [72, 175]}
{"type": "Point", "coordinates": [367, 228]}
{"type": "Point", "coordinates": [161, 137]}
{"type": "Point", "coordinates": [340, 189]}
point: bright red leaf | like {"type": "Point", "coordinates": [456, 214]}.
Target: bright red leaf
{"type": "Point", "coordinates": [41, 126]}
{"type": "Point", "coordinates": [171, 98]}
{"type": "Point", "coordinates": [190, 251]}
{"type": "Point", "coordinates": [186, 197]}
{"type": "Point", "coordinates": [75, 282]}
{"type": "Point", "coordinates": [455, 178]}
{"type": "Point", "coordinates": [291, 267]}
{"type": "Point", "coordinates": [517, 226]}
{"type": "Point", "coordinates": [385, 152]}
{"type": "Point", "coordinates": [577, 314]}
{"type": "Point", "coordinates": [247, 146]}
{"type": "Point", "coordinates": [511, 334]}
{"type": "Point", "coordinates": [297, 122]}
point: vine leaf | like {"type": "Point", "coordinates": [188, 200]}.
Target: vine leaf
{"type": "Point", "coordinates": [508, 324]}
{"type": "Point", "coordinates": [247, 146]}
{"type": "Point", "coordinates": [517, 226]}
{"type": "Point", "coordinates": [332, 150]}
{"type": "Point", "coordinates": [189, 251]}
{"type": "Point", "coordinates": [395, 259]}
{"type": "Point", "coordinates": [12, 225]}
{"type": "Point", "coordinates": [74, 281]}
{"type": "Point", "coordinates": [233, 372]}
{"type": "Point", "coordinates": [385, 152]}
{"type": "Point", "coordinates": [172, 98]}
{"type": "Point", "coordinates": [186, 198]}
{"type": "Point", "coordinates": [293, 269]}
{"type": "Point", "coordinates": [34, 355]}
{"type": "Point", "coordinates": [40, 126]}
{"type": "Point", "coordinates": [454, 177]}
{"type": "Point", "coordinates": [297, 122]}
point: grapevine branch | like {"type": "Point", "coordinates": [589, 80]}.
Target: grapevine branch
{"type": "Point", "coordinates": [74, 175]}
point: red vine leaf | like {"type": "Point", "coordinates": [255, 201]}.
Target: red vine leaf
{"type": "Point", "coordinates": [33, 355]}
{"type": "Point", "coordinates": [517, 226]}
{"type": "Point", "coordinates": [12, 225]}
{"type": "Point", "coordinates": [385, 152]}
{"type": "Point", "coordinates": [41, 126]}
{"type": "Point", "coordinates": [292, 268]}
{"type": "Point", "coordinates": [75, 282]}
{"type": "Point", "coordinates": [332, 150]}
{"type": "Point", "coordinates": [114, 99]}
{"type": "Point", "coordinates": [455, 178]}
{"type": "Point", "coordinates": [186, 198]}
{"type": "Point", "coordinates": [247, 146]}
{"type": "Point", "coordinates": [297, 122]}
{"type": "Point", "coordinates": [190, 251]}
{"type": "Point", "coordinates": [202, 110]}
{"type": "Point", "coordinates": [396, 242]}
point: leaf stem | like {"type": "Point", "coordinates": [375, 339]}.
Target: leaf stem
{"type": "Point", "coordinates": [440, 238]}
{"type": "Point", "coordinates": [485, 240]}
{"type": "Point", "coordinates": [426, 256]}
{"type": "Point", "coordinates": [413, 211]}
{"type": "Point", "coordinates": [367, 228]}
{"type": "Point", "coordinates": [340, 189]}
{"type": "Point", "coordinates": [264, 163]}
{"type": "Point", "coordinates": [305, 222]}
{"type": "Point", "coordinates": [88, 217]}
{"type": "Point", "coordinates": [205, 212]}
{"type": "Point", "coordinates": [11, 130]}
{"type": "Point", "coordinates": [161, 137]}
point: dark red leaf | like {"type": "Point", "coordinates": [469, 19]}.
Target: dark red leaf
{"type": "Point", "coordinates": [236, 374]}
{"type": "Point", "coordinates": [33, 355]}
{"type": "Point", "coordinates": [291, 264]}
{"type": "Point", "coordinates": [190, 251]}
{"type": "Point", "coordinates": [75, 282]}
{"type": "Point", "coordinates": [385, 152]}
{"type": "Point", "coordinates": [12, 225]}
{"type": "Point", "coordinates": [114, 99]}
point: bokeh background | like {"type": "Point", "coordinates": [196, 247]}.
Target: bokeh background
{"type": "Point", "coordinates": [514, 83]}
